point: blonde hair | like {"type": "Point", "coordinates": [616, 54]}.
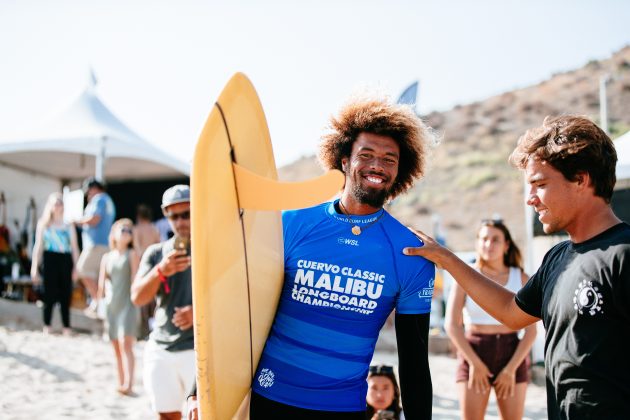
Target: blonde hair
{"type": "Point", "coordinates": [120, 223]}
{"type": "Point", "coordinates": [47, 214]}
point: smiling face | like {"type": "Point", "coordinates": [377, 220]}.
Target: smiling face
{"type": "Point", "coordinates": [371, 169]}
{"type": "Point", "coordinates": [380, 393]}
{"type": "Point", "coordinates": [553, 197]}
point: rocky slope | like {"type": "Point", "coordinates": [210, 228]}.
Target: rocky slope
{"type": "Point", "coordinates": [469, 177]}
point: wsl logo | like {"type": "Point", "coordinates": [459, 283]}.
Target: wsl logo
{"type": "Point", "coordinates": [347, 241]}
{"type": "Point", "coordinates": [588, 298]}
{"type": "Point", "coordinates": [266, 378]}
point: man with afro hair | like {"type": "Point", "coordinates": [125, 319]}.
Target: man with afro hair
{"type": "Point", "coordinates": [345, 273]}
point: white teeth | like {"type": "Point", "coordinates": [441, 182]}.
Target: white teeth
{"type": "Point", "coordinates": [374, 180]}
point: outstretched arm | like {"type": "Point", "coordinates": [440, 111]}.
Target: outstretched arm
{"type": "Point", "coordinates": [491, 296]}
{"type": "Point", "coordinates": [412, 337]}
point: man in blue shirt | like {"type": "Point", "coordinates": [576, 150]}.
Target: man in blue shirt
{"type": "Point", "coordinates": [97, 220]}
{"type": "Point", "coordinates": [345, 273]}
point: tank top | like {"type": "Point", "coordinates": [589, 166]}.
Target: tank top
{"type": "Point", "coordinates": [119, 271]}
{"type": "Point", "coordinates": [474, 314]}
{"type": "Point", "coordinates": [57, 239]}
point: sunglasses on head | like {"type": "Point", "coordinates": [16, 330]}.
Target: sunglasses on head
{"type": "Point", "coordinates": [381, 369]}
{"type": "Point", "coordinates": [185, 215]}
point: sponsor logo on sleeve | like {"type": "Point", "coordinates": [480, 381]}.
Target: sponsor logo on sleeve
{"type": "Point", "coordinates": [427, 292]}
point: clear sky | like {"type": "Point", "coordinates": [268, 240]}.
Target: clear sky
{"type": "Point", "coordinates": [161, 64]}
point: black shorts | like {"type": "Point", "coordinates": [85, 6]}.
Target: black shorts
{"type": "Point", "coordinates": [262, 408]}
{"type": "Point", "coordinates": [495, 350]}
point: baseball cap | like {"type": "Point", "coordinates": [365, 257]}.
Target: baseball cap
{"type": "Point", "coordinates": [176, 194]}
{"type": "Point", "coordinates": [92, 182]}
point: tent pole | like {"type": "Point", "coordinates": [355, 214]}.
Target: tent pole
{"type": "Point", "coordinates": [100, 160]}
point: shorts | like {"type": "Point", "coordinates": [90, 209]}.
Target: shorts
{"type": "Point", "coordinates": [168, 377]}
{"type": "Point", "coordinates": [89, 263]}
{"type": "Point", "coordinates": [495, 350]}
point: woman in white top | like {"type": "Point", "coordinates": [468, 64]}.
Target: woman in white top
{"type": "Point", "coordinates": [491, 354]}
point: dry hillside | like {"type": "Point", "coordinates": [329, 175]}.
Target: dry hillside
{"type": "Point", "coordinates": [469, 177]}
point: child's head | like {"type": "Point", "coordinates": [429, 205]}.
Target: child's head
{"type": "Point", "coordinates": [383, 392]}
{"type": "Point", "coordinates": [121, 233]}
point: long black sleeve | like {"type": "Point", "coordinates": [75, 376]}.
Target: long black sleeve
{"type": "Point", "coordinates": [412, 336]}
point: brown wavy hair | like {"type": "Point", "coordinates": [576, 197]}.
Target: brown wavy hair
{"type": "Point", "coordinates": [379, 116]}
{"type": "Point", "coordinates": [571, 144]}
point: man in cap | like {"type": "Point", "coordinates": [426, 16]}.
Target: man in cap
{"type": "Point", "coordinates": [97, 220]}
{"type": "Point", "coordinates": [164, 273]}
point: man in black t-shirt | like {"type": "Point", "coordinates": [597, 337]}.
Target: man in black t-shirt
{"type": "Point", "coordinates": [582, 289]}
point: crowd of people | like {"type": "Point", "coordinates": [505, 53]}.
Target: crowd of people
{"type": "Point", "coordinates": [319, 356]}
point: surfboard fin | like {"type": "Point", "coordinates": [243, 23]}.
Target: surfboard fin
{"type": "Point", "coordinates": [257, 192]}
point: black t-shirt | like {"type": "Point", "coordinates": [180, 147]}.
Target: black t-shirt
{"type": "Point", "coordinates": [582, 294]}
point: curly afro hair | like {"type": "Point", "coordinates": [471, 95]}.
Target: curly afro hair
{"type": "Point", "coordinates": [379, 116]}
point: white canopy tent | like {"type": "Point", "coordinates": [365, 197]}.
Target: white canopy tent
{"type": "Point", "coordinates": [84, 140]}
{"type": "Point", "coordinates": [87, 139]}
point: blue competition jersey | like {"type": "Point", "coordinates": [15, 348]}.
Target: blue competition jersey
{"type": "Point", "coordinates": [338, 291]}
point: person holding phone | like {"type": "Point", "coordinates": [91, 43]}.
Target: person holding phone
{"type": "Point", "coordinates": [164, 274]}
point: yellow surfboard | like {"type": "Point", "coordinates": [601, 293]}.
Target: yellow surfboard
{"type": "Point", "coordinates": [237, 248]}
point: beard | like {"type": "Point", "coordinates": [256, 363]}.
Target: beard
{"type": "Point", "coordinates": [372, 197]}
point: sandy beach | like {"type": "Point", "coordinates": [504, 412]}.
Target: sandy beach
{"type": "Point", "coordinates": [57, 377]}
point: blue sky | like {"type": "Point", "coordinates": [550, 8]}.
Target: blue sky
{"type": "Point", "coordinates": [161, 64]}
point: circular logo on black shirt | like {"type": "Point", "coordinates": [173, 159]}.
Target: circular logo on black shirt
{"type": "Point", "coordinates": [587, 298]}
